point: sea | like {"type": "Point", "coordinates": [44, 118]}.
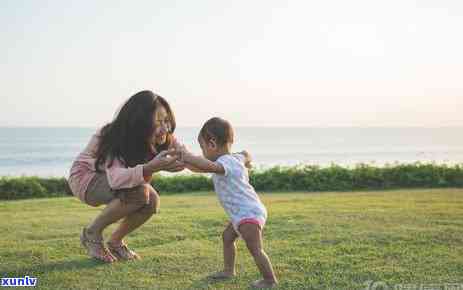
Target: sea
{"type": "Point", "coordinates": [49, 152]}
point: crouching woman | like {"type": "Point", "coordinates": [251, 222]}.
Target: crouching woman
{"type": "Point", "coordinates": [115, 170]}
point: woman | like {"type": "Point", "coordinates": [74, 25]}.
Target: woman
{"type": "Point", "coordinates": [115, 169]}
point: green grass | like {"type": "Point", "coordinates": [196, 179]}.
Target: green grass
{"type": "Point", "coordinates": [315, 241]}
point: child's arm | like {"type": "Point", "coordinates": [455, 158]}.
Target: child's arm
{"type": "Point", "coordinates": [192, 168]}
{"type": "Point", "coordinates": [184, 151]}
{"type": "Point", "coordinates": [201, 164]}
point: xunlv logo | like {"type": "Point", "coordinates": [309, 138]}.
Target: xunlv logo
{"type": "Point", "coordinates": [18, 282]}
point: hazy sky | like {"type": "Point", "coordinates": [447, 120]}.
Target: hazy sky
{"type": "Point", "coordinates": [304, 63]}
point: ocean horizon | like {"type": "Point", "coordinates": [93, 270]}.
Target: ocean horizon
{"type": "Point", "coordinates": [50, 151]}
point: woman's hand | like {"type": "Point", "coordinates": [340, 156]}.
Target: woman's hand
{"type": "Point", "coordinates": [164, 160]}
{"type": "Point", "coordinates": [178, 165]}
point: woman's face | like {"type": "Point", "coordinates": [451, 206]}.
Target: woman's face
{"type": "Point", "coordinates": [161, 121]}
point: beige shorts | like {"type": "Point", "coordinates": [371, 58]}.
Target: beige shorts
{"type": "Point", "coordinates": [99, 192]}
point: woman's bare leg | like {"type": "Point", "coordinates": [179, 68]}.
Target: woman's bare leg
{"type": "Point", "coordinates": [117, 209]}
{"type": "Point", "coordinates": [113, 212]}
{"type": "Point", "coordinates": [137, 218]}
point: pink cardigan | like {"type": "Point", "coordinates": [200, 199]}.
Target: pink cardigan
{"type": "Point", "coordinates": [83, 170]}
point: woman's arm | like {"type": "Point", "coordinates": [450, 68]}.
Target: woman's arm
{"type": "Point", "coordinates": [120, 176]}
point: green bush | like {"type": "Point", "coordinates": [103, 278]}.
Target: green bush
{"type": "Point", "coordinates": [296, 178]}
{"type": "Point", "coordinates": [22, 187]}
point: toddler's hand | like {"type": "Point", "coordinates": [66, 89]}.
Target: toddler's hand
{"type": "Point", "coordinates": [184, 153]}
{"type": "Point", "coordinates": [247, 159]}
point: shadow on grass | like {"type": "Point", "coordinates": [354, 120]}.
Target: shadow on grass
{"type": "Point", "coordinates": [84, 263]}
{"type": "Point", "coordinates": [207, 281]}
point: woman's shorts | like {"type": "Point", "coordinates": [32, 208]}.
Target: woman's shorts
{"type": "Point", "coordinates": [99, 192]}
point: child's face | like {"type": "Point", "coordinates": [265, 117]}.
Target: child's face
{"type": "Point", "coordinates": [209, 149]}
{"type": "Point", "coordinates": [161, 121]}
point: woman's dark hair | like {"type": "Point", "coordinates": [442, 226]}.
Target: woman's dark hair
{"type": "Point", "coordinates": [218, 129]}
{"type": "Point", "coordinates": [127, 137]}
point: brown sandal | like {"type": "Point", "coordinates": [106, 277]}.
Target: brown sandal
{"type": "Point", "coordinates": [100, 252]}
{"type": "Point", "coordinates": [122, 252]}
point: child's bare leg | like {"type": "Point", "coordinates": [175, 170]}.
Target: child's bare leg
{"type": "Point", "coordinates": [229, 237]}
{"type": "Point", "coordinates": [252, 235]}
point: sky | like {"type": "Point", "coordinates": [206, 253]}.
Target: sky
{"type": "Point", "coordinates": [255, 63]}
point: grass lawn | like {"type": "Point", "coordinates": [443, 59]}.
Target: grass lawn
{"type": "Point", "coordinates": [315, 241]}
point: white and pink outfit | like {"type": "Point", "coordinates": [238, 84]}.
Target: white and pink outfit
{"type": "Point", "coordinates": [236, 194]}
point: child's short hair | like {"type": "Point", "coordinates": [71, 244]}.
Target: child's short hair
{"type": "Point", "coordinates": [218, 129]}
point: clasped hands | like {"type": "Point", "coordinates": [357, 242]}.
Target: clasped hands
{"type": "Point", "coordinates": [173, 160]}
{"type": "Point", "coordinates": [168, 160]}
